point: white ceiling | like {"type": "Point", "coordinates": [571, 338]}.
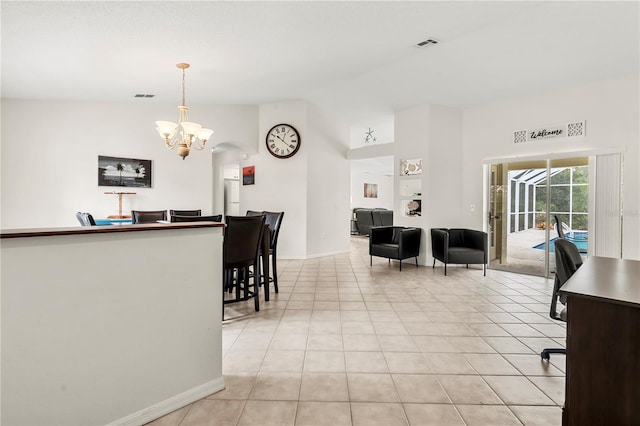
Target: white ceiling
{"type": "Point", "coordinates": [357, 58]}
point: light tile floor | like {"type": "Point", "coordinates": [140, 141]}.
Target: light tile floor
{"type": "Point", "coordinates": [344, 343]}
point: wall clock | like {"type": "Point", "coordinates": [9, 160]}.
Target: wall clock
{"type": "Point", "coordinates": [283, 141]}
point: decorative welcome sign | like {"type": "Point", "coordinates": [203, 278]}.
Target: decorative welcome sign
{"type": "Point", "coordinates": [567, 130]}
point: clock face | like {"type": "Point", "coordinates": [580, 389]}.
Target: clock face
{"type": "Point", "coordinates": [283, 141]}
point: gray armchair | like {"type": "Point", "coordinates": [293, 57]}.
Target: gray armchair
{"type": "Point", "coordinates": [459, 246]}
{"type": "Point", "coordinates": [394, 242]}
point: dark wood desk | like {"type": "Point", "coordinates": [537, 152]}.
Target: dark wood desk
{"type": "Point", "coordinates": [603, 343]}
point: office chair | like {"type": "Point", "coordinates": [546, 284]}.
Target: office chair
{"type": "Point", "coordinates": [559, 229]}
{"type": "Point", "coordinates": [568, 260]}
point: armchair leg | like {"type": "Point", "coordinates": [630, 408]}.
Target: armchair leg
{"type": "Point", "coordinates": [400, 263]}
{"type": "Point", "coordinates": [484, 269]}
{"type": "Point", "coordinates": [370, 260]}
{"type": "Point", "coordinates": [445, 269]}
{"type": "Point", "coordinates": [434, 263]}
{"type": "Point", "coordinates": [416, 261]}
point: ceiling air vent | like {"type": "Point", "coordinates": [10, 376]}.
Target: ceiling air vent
{"type": "Point", "coordinates": [427, 42]}
{"type": "Point", "coordinates": [143, 95]}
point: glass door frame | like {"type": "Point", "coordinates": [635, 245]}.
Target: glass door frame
{"type": "Point", "coordinates": [492, 167]}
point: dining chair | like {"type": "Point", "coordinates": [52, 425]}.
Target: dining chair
{"type": "Point", "coordinates": [85, 219]}
{"type": "Point", "coordinates": [568, 260]}
{"type": "Point", "coordinates": [184, 218]}
{"type": "Point", "coordinates": [273, 220]}
{"type": "Point", "coordinates": [147, 216]}
{"type": "Point", "coordinates": [240, 253]}
{"type": "Point", "coordinates": [185, 212]}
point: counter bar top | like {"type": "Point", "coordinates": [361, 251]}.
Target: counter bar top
{"type": "Point", "coordinates": [79, 230]}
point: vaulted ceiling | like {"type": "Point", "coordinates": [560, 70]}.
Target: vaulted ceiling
{"type": "Point", "coordinates": [357, 58]}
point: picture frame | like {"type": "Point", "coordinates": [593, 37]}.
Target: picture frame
{"type": "Point", "coordinates": [249, 175]}
{"type": "Point", "coordinates": [370, 190]}
{"type": "Point", "coordinates": [413, 208]}
{"type": "Point", "coordinates": [124, 172]}
{"type": "Point", "coordinates": [411, 167]}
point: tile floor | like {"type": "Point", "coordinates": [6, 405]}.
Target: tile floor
{"type": "Point", "coordinates": [344, 343]}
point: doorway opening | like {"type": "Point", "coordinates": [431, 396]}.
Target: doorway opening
{"type": "Point", "coordinates": [372, 183]}
{"type": "Point", "coordinates": [528, 203]}
{"type": "Point", "coordinates": [372, 187]}
{"type": "Point", "coordinates": [232, 189]}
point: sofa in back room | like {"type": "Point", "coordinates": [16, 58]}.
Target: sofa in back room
{"type": "Point", "coordinates": [363, 219]}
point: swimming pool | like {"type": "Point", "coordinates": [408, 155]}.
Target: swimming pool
{"type": "Point", "coordinates": [577, 238]}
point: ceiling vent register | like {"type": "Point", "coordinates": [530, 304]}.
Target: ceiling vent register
{"type": "Point", "coordinates": [427, 42]}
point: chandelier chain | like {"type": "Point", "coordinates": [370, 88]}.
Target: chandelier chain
{"type": "Point", "coordinates": [183, 83]}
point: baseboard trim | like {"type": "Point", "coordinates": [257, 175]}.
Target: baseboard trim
{"type": "Point", "coordinates": [169, 405]}
{"type": "Point", "coordinates": [314, 256]}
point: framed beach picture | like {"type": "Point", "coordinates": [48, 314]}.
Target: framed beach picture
{"type": "Point", "coordinates": [128, 172]}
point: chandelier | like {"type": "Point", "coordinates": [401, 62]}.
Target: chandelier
{"type": "Point", "coordinates": [184, 133]}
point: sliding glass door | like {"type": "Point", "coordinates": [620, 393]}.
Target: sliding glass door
{"type": "Point", "coordinates": [525, 198]}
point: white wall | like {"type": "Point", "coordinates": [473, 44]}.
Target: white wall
{"type": "Point", "coordinates": [311, 187]}
{"type": "Point", "coordinates": [385, 190]}
{"type": "Point", "coordinates": [328, 189]}
{"type": "Point", "coordinates": [50, 157]}
{"type": "Point", "coordinates": [50, 151]}
{"type": "Point", "coordinates": [611, 110]}
{"type": "Point", "coordinates": [434, 134]}
{"type": "Point", "coordinates": [281, 184]}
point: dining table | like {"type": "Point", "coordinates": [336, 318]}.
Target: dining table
{"type": "Point", "coordinates": [108, 221]}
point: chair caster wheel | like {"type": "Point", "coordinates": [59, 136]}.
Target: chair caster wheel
{"type": "Point", "coordinates": [545, 356]}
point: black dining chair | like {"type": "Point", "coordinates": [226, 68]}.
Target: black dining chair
{"type": "Point", "coordinates": [147, 216]}
{"type": "Point", "coordinates": [273, 220]}
{"type": "Point", "coordinates": [568, 260]}
{"type": "Point", "coordinates": [182, 218]}
{"type": "Point", "coordinates": [240, 253]}
{"type": "Point", "coordinates": [185, 212]}
{"type": "Point", "coordinates": [85, 219]}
